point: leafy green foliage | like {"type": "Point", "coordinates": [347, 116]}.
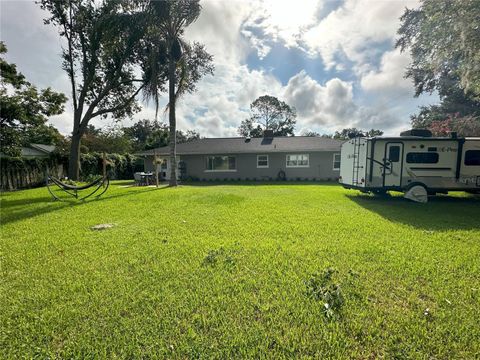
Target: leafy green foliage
{"type": "Point", "coordinates": [172, 59]}
{"type": "Point", "coordinates": [269, 113]}
{"type": "Point", "coordinates": [118, 166]}
{"type": "Point", "coordinates": [444, 42]}
{"type": "Point", "coordinates": [321, 287]}
{"type": "Point", "coordinates": [104, 45]}
{"type": "Point", "coordinates": [349, 133]}
{"type": "Point", "coordinates": [146, 134]}
{"type": "Point", "coordinates": [24, 110]}
{"type": "Point", "coordinates": [141, 290]}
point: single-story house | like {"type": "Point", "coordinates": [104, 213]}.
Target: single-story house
{"type": "Point", "coordinates": [267, 158]}
{"type": "Point", "coordinates": [35, 151]}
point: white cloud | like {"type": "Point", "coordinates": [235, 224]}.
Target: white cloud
{"type": "Point", "coordinates": [354, 30]}
{"type": "Point", "coordinates": [328, 105]}
{"type": "Point", "coordinates": [332, 106]}
{"type": "Point", "coordinates": [350, 34]}
{"type": "Point", "coordinates": [218, 27]}
{"type": "Point", "coordinates": [283, 20]}
{"type": "Point", "coordinates": [222, 101]}
{"type": "Point", "coordinates": [389, 78]}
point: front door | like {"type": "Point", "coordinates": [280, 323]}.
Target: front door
{"type": "Point", "coordinates": [392, 171]}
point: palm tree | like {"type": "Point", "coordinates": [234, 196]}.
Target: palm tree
{"type": "Point", "coordinates": [168, 59]}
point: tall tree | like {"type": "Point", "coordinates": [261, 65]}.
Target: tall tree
{"type": "Point", "coordinates": [103, 43]}
{"type": "Point", "coordinates": [269, 113]}
{"type": "Point", "coordinates": [173, 59]}
{"type": "Point", "coordinates": [443, 39]}
{"type": "Point", "coordinates": [24, 110]}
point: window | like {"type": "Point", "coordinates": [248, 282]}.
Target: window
{"type": "Point", "coordinates": [472, 158]}
{"type": "Point", "coordinates": [221, 163]}
{"type": "Point", "coordinates": [297, 160]}
{"type": "Point", "coordinates": [336, 161]}
{"type": "Point", "coordinates": [164, 165]}
{"type": "Point", "coordinates": [394, 153]}
{"type": "Point", "coordinates": [422, 158]}
{"type": "Point", "coordinates": [262, 161]}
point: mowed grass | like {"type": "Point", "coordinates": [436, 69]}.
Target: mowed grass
{"type": "Point", "coordinates": [220, 271]}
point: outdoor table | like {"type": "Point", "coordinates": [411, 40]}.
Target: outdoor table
{"type": "Point", "coordinates": [147, 178]}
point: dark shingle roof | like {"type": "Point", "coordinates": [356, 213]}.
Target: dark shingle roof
{"type": "Point", "coordinates": [254, 145]}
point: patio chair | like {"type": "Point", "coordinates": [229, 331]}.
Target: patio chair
{"type": "Point", "coordinates": [139, 181]}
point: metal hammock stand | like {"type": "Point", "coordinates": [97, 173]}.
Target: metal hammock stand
{"type": "Point", "coordinates": [73, 190]}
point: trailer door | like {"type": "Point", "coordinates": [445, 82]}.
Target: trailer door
{"type": "Point", "coordinates": [393, 160]}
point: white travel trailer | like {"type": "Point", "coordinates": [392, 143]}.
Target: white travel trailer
{"type": "Point", "coordinates": [414, 163]}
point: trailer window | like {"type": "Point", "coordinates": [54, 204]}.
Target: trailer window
{"type": "Point", "coordinates": [422, 158]}
{"type": "Point", "coordinates": [394, 153]}
{"type": "Point", "coordinates": [472, 157]}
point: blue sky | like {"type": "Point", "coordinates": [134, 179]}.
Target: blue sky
{"type": "Point", "coordinates": [333, 60]}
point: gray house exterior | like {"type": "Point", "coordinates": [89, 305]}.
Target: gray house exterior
{"type": "Point", "coordinates": [267, 158]}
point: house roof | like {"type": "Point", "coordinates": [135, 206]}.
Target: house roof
{"type": "Point", "coordinates": [42, 147]}
{"type": "Point", "coordinates": [240, 145]}
{"type": "Point", "coordinates": [34, 150]}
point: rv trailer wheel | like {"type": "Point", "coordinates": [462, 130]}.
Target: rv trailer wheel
{"type": "Point", "coordinates": [417, 192]}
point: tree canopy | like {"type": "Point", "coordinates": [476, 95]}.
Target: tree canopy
{"type": "Point", "coordinates": [24, 110]}
{"type": "Point", "coordinates": [147, 134]}
{"type": "Point", "coordinates": [269, 113]}
{"type": "Point", "coordinates": [116, 49]}
{"type": "Point", "coordinates": [443, 39]}
{"type": "Point", "coordinates": [170, 58]}
{"type": "Point", "coordinates": [354, 132]}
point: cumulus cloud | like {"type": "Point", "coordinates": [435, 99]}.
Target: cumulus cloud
{"type": "Point", "coordinates": [389, 78]}
{"type": "Point", "coordinates": [223, 100]}
{"type": "Point", "coordinates": [351, 35]}
{"type": "Point", "coordinates": [320, 105]}
{"type": "Point", "coordinates": [282, 20]}
{"type": "Point", "coordinates": [332, 106]}
{"type": "Point", "coordinates": [355, 30]}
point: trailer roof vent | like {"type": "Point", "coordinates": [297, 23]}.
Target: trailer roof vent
{"type": "Point", "coordinates": [417, 132]}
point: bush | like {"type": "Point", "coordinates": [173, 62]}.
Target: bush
{"type": "Point", "coordinates": [119, 167]}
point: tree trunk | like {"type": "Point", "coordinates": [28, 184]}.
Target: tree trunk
{"type": "Point", "coordinates": [172, 121]}
{"type": "Point", "coordinates": [74, 159]}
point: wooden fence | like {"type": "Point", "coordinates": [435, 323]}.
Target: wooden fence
{"type": "Point", "coordinates": [26, 173]}
{"type": "Point", "coordinates": [21, 173]}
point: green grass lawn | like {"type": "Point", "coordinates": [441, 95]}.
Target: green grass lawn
{"type": "Point", "coordinates": [231, 271]}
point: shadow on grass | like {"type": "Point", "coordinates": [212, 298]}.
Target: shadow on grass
{"type": "Point", "coordinates": [19, 209]}
{"type": "Point", "coordinates": [257, 183]}
{"type": "Point", "coordinates": [441, 213]}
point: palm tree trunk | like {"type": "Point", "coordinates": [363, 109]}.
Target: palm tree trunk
{"type": "Point", "coordinates": [172, 121]}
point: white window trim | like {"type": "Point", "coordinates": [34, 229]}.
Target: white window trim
{"type": "Point", "coordinates": [297, 166]}
{"type": "Point", "coordinates": [334, 168]}
{"type": "Point", "coordinates": [263, 166]}
{"type": "Point", "coordinates": [226, 170]}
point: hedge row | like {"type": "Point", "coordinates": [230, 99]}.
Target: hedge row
{"type": "Point", "coordinates": [20, 173]}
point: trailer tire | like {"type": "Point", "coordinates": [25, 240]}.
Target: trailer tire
{"type": "Point", "coordinates": [415, 195]}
